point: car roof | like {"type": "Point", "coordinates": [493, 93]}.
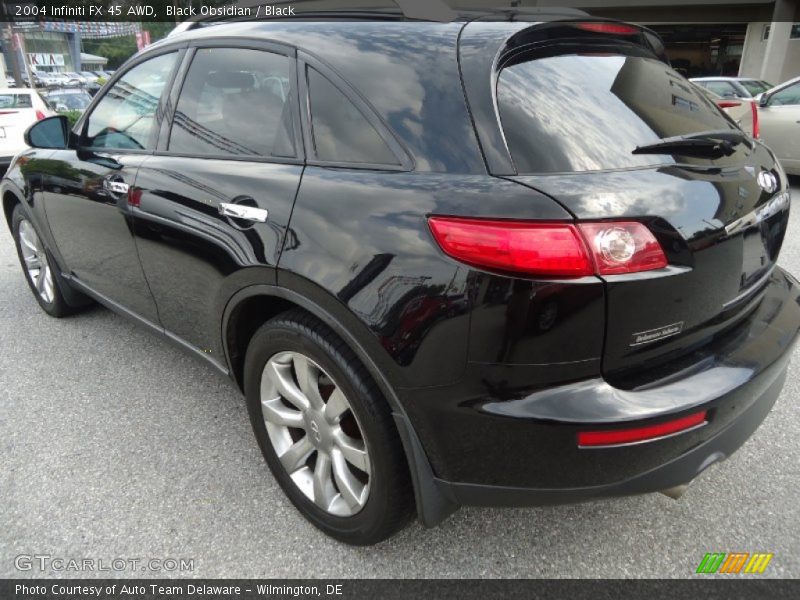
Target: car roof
{"type": "Point", "coordinates": [16, 90]}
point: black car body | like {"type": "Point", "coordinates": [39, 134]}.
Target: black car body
{"type": "Point", "coordinates": [506, 387]}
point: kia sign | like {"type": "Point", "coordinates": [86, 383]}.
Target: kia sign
{"type": "Point", "coordinates": [46, 60]}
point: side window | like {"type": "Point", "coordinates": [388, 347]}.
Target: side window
{"type": "Point", "coordinates": [789, 95]}
{"type": "Point", "coordinates": [235, 102]}
{"type": "Point", "coordinates": [341, 132]}
{"type": "Point", "coordinates": [125, 116]}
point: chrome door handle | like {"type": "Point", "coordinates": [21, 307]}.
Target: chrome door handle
{"type": "Point", "coordinates": [116, 187]}
{"type": "Point", "coordinates": [241, 211]}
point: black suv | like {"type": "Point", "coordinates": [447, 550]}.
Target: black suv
{"type": "Point", "coordinates": [503, 260]}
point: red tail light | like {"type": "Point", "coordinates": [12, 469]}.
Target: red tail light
{"type": "Point", "coordinates": [549, 249]}
{"type": "Point", "coordinates": [728, 103]}
{"type": "Point", "coordinates": [623, 247]}
{"type": "Point", "coordinates": [40, 115]}
{"type": "Point", "coordinates": [613, 28]}
{"type": "Point", "coordinates": [616, 437]}
{"type": "Point", "coordinates": [754, 111]}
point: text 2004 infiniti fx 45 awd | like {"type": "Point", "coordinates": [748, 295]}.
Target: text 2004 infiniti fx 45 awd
{"type": "Point", "coordinates": [484, 262]}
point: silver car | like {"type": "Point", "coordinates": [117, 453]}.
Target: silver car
{"type": "Point", "coordinates": [779, 122]}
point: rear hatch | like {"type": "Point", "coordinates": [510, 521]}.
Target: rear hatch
{"type": "Point", "coordinates": [573, 112]}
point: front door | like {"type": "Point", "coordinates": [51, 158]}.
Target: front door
{"type": "Point", "coordinates": [213, 203]}
{"type": "Point", "coordinates": [87, 190]}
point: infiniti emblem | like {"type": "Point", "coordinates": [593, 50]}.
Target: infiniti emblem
{"type": "Point", "coordinates": [767, 181]}
{"type": "Point", "coordinates": [315, 431]}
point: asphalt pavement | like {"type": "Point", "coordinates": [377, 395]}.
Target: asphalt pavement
{"type": "Point", "coordinates": [115, 445]}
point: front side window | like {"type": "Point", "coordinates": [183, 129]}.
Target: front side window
{"type": "Point", "coordinates": [341, 132]}
{"type": "Point", "coordinates": [124, 119]}
{"type": "Point", "coordinates": [789, 95]}
{"type": "Point", "coordinates": [235, 102]}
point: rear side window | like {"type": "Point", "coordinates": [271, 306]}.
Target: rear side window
{"type": "Point", "coordinates": [15, 101]}
{"type": "Point", "coordinates": [589, 112]}
{"type": "Point", "coordinates": [235, 102]}
{"type": "Point", "coordinates": [125, 116]}
{"type": "Point", "coordinates": [721, 88]}
{"type": "Point", "coordinates": [341, 132]}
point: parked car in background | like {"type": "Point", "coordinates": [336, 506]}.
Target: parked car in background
{"type": "Point", "coordinates": [90, 76]}
{"type": "Point", "coordinates": [505, 262]}
{"type": "Point", "coordinates": [743, 111]}
{"type": "Point", "coordinates": [733, 87]}
{"type": "Point", "coordinates": [19, 108]}
{"type": "Point", "coordinates": [779, 123]}
{"type": "Point", "coordinates": [10, 81]}
{"type": "Point", "coordinates": [74, 78]}
{"type": "Point", "coordinates": [67, 99]}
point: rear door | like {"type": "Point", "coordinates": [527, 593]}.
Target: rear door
{"type": "Point", "coordinates": [86, 190]}
{"type": "Point", "coordinates": [573, 115]}
{"type": "Point", "coordinates": [213, 204]}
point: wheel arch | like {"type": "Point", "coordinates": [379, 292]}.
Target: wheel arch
{"type": "Point", "coordinates": [264, 301]}
{"type": "Point", "coordinates": [10, 200]}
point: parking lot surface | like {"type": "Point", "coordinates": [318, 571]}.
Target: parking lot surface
{"type": "Point", "coordinates": [113, 444]}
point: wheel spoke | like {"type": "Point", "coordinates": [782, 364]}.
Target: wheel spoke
{"type": "Point", "coordinates": [281, 376]}
{"type": "Point", "coordinates": [308, 378]}
{"type": "Point", "coordinates": [47, 275]}
{"type": "Point", "coordinates": [351, 488]}
{"type": "Point", "coordinates": [324, 492]}
{"type": "Point", "coordinates": [336, 406]}
{"type": "Point", "coordinates": [40, 280]}
{"type": "Point", "coordinates": [296, 455]}
{"type": "Point", "coordinates": [275, 411]}
{"type": "Point", "coordinates": [27, 242]}
{"type": "Point", "coordinates": [353, 450]}
{"type": "Point", "coordinates": [32, 262]}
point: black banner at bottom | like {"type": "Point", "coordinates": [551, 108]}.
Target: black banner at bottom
{"type": "Point", "coordinates": [383, 589]}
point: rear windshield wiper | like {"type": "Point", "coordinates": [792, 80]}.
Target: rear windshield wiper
{"type": "Point", "coordinates": [705, 143]}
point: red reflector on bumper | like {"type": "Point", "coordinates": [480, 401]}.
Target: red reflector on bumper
{"type": "Point", "coordinates": [613, 437]}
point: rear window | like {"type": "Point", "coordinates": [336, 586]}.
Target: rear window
{"type": "Point", "coordinates": [15, 101]}
{"type": "Point", "coordinates": [588, 112]}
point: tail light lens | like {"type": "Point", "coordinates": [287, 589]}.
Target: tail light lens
{"type": "Point", "coordinates": [549, 249]}
{"type": "Point", "coordinates": [623, 247]}
{"type": "Point", "coordinates": [40, 115]}
{"type": "Point", "coordinates": [728, 103]}
{"type": "Point", "coordinates": [754, 111]}
{"type": "Point", "coordinates": [552, 249]}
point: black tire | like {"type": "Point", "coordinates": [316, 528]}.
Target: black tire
{"type": "Point", "coordinates": [389, 504]}
{"type": "Point", "coordinates": [57, 307]}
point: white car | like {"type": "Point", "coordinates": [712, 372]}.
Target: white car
{"type": "Point", "coordinates": [779, 123]}
{"type": "Point", "coordinates": [19, 108]}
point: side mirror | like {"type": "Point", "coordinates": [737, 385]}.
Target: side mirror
{"type": "Point", "coordinates": [763, 100]}
{"type": "Point", "coordinates": [52, 132]}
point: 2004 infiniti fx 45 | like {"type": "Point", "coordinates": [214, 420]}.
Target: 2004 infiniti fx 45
{"type": "Point", "coordinates": [480, 262]}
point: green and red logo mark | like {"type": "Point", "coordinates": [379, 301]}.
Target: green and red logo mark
{"type": "Point", "coordinates": [734, 562]}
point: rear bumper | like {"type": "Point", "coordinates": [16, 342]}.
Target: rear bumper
{"type": "Point", "coordinates": [490, 443]}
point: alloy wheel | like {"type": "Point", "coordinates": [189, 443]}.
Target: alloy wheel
{"type": "Point", "coordinates": [35, 260]}
{"type": "Point", "coordinates": [315, 434]}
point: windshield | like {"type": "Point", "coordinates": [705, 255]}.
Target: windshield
{"type": "Point", "coordinates": [588, 112]}
{"type": "Point", "coordinates": [754, 87]}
